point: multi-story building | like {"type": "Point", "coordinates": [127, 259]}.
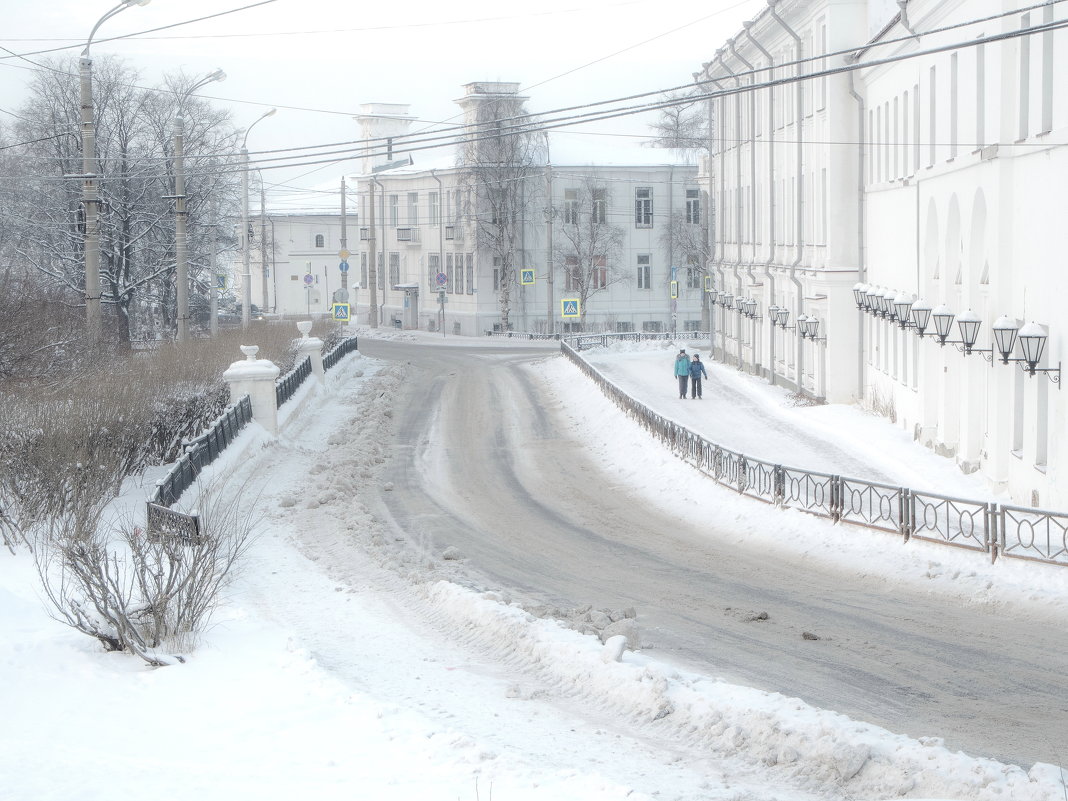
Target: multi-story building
{"type": "Point", "coordinates": [617, 237]}
{"type": "Point", "coordinates": [909, 159]}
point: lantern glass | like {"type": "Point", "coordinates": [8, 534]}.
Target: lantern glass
{"type": "Point", "coordinates": [921, 315]}
{"type": "Point", "coordinates": [783, 315]}
{"type": "Point", "coordinates": [871, 302]}
{"type": "Point", "coordinates": [902, 305]}
{"type": "Point", "coordinates": [969, 323]}
{"type": "Point", "coordinates": [886, 302]}
{"type": "Point", "coordinates": [1005, 329]}
{"type": "Point", "coordinates": [943, 319]}
{"type": "Point", "coordinates": [859, 290]}
{"type": "Point", "coordinates": [1032, 342]}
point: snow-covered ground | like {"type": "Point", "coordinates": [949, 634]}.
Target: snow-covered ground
{"type": "Point", "coordinates": [341, 664]}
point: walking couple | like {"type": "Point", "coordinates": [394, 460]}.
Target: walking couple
{"type": "Point", "coordinates": [689, 371]}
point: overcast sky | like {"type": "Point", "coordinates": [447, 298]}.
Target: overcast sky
{"type": "Point", "coordinates": [329, 56]}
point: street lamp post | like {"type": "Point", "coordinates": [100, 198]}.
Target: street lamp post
{"type": "Point", "coordinates": [90, 188]}
{"type": "Point", "coordinates": [246, 277]}
{"type": "Point", "coordinates": [180, 215]}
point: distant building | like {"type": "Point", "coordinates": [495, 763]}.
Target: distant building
{"type": "Point", "coordinates": [928, 163]}
{"type": "Point", "coordinates": [438, 271]}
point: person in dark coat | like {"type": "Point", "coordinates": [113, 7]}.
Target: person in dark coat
{"type": "Point", "coordinates": [682, 372]}
{"type": "Point", "coordinates": [697, 371]}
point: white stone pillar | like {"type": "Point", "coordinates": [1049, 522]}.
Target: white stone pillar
{"type": "Point", "coordinates": [255, 378]}
{"type": "Point", "coordinates": [310, 347]}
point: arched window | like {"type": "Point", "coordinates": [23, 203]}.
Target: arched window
{"type": "Point", "coordinates": [320, 241]}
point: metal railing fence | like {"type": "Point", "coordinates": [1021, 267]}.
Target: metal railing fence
{"type": "Point", "coordinates": [287, 385]}
{"type": "Point", "coordinates": [993, 529]}
{"type": "Point", "coordinates": [342, 349]}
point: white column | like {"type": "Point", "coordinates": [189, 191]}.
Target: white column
{"type": "Point", "coordinates": [255, 378]}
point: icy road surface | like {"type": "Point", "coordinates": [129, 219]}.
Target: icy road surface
{"type": "Point", "coordinates": [481, 458]}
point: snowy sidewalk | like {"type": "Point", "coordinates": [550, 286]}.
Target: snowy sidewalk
{"type": "Point", "coordinates": [747, 414]}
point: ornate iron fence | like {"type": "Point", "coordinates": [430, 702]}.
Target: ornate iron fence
{"type": "Point", "coordinates": [342, 349]}
{"type": "Point", "coordinates": [199, 453]}
{"type": "Point", "coordinates": [1009, 531]}
{"type": "Point", "coordinates": [285, 386]}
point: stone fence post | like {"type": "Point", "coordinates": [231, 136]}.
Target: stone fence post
{"type": "Point", "coordinates": [255, 378]}
{"type": "Point", "coordinates": [310, 347]}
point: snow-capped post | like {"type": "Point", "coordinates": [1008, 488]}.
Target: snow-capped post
{"type": "Point", "coordinates": [310, 347]}
{"type": "Point", "coordinates": [255, 378]}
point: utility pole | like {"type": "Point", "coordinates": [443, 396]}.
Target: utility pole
{"type": "Point", "coordinates": [214, 278]}
{"type": "Point", "coordinates": [372, 257]}
{"type": "Point", "coordinates": [344, 254]}
{"type": "Point", "coordinates": [550, 323]}
{"type": "Point", "coordinates": [181, 279]}
{"type": "Point", "coordinates": [263, 246]}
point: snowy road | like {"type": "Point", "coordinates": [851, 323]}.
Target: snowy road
{"type": "Point", "coordinates": [483, 459]}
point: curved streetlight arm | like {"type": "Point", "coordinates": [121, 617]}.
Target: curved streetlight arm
{"type": "Point", "coordinates": [217, 75]}
{"type": "Point", "coordinates": [264, 116]}
{"type": "Point", "coordinates": [120, 7]}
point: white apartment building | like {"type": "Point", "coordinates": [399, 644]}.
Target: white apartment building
{"type": "Point", "coordinates": [927, 166]}
{"type": "Point", "coordinates": [435, 271]}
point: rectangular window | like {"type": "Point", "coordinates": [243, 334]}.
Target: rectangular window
{"type": "Point", "coordinates": [448, 272]}
{"type": "Point", "coordinates": [932, 132]}
{"type": "Point", "coordinates": [693, 273]}
{"type": "Point", "coordinates": [432, 209]}
{"type": "Point", "coordinates": [643, 207]}
{"type": "Point", "coordinates": [599, 278]}
{"type": "Point", "coordinates": [458, 206]}
{"type": "Point", "coordinates": [652, 326]}
{"type": "Point", "coordinates": [915, 128]}
{"type": "Point", "coordinates": [459, 283]}
{"type": "Point", "coordinates": [381, 271]}
{"type": "Point", "coordinates": [691, 325]}
{"type": "Point", "coordinates": [394, 210]}
{"type": "Point", "coordinates": [433, 267]}
{"type": "Point", "coordinates": [693, 206]}
{"type": "Point", "coordinates": [413, 208]}
{"type": "Point", "coordinates": [470, 273]}
{"type": "Point", "coordinates": [394, 269]}
{"type": "Point", "coordinates": [624, 328]}
{"type": "Point", "coordinates": [953, 105]}
{"type": "Point", "coordinates": [905, 132]}
{"type": "Point", "coordinates": [497, 273]}
{"type": "Point", "coordinates": [363, 271]}
{"type": "Point", "coordinates": [571, 274]}
{"type": "Point", "coordinates": [1047, 72]}
{"type": "Point", "coordinates": [980, 96]}
{"type": "Point", "coordinates": [1025, 78]}
{"type": "Point", "coordinates": [571, 206]}
{"type": "Point", "coordinates": [644, 268]}
{"type": "Point", "coordinates": [600, 206]}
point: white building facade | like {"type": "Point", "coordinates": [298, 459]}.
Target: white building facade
{"type": "Point", "coordinates": [435, 272]}
{"type": "Point", "coordinates": [930, 171]}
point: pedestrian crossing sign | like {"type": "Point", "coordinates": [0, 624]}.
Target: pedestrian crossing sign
{"type": "Point", "coordinates": [674, 289]}
{"type": "Point", "coordinates": [708, 283]}
{"type": "Point", "coordinates": [340, 312]}
{"type": "Point", "coordinates": [220, 280]}
{"type": "Point", "coordinates": [526, 276]}
{"type": "Point", "coordinates": [569, 307]}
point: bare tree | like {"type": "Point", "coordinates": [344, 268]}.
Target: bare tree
{"type": "Point", "coordinates": [135, 149]}
{"type": "Point", "coordinates": [499, 155]}
{"type": "Point", "coordinates": [686, 236]}
{"type": "Point", "coordinates": [149, 595]}
{"type": "Point", "coordinates": [590, 246]}
{"type": "Point", "coordinates": [682, 126]}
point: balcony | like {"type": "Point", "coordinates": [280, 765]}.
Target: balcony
{"type": "Point", "coordinates": [454, 233]}
{"type": "Point", "coordinates": [409, 235]}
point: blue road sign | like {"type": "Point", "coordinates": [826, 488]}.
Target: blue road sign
{"type": "Point", "coordinates": [341, 312]}
{"type": "Point", "coordinates": [442, 279]}
{"type": "Point", "coordinates": [569, 308]}
{"type": "Point", "coordinates": [526, 276]}
{"type": "Point", "coordinates": [344, 266]}
{"type": "Point", "coordinates": [309, 279]}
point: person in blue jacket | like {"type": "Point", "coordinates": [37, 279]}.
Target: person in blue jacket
{"type": "Point", "coordinates": [697, 370]}
{"type": "Point", "coordinates": [682, 372]}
